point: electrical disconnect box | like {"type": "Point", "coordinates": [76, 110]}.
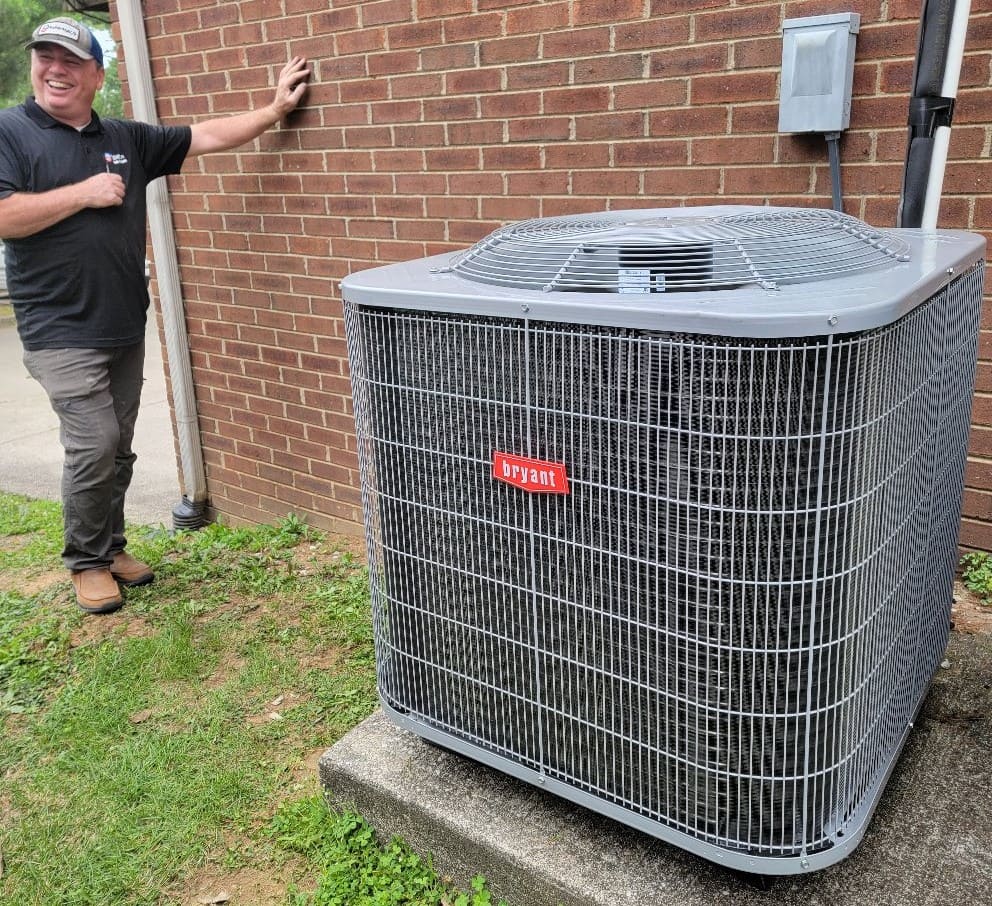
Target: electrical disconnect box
{"type": "Point", "coordinates": [817, 72]}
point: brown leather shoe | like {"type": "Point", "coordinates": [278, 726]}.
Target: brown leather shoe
{"type": "Point", "coordinates": [129, 571]}
{"type": "Point", "coordinates": [96, 591]}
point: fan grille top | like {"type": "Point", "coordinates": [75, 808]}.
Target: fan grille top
{"type": "Point", "coordinates": [642, 252]}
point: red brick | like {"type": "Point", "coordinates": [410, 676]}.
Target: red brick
{"type": "Point", "coordinates": [511, 104]}
{"type": "Point", "coordinates": [383, 11]}
{"type": "Point", "coordinates": [972, 106]}
{"type": "Point", "coordinates": [511, 157]}
{"type": "Point", "coordinates": [731, 151]}
{"type": "Point", "coordinates": [615, 68]}
{"type": "Point", "coordinates": [482, 132]}
{"type": "Point", "coordinates": [392, 62]}
{"type": "Point", "coordinates": [651, 154]}
{"type": "Point", "coordinates": [509, 50]}
{"type": "Point", "coordinates": [610, 125]}
{"type": "Point", "coordinates": [331, 21]}
{"type": "Point", "coordinates": [392, 112]}
{"type": "Point", "coordinates": [693, 121]}
{"type": "Point", "coordinates": [647, 95]}
{"type": "Point", "coordinates": [733, 87]}
{"type": "Point", "coordinates": [451, 56]}
{"type": "Point", "coordinates": [655, 32]}
{"type": "Point", "coordinates": [540, 129]}
{"type": "Point", "coordinates": [537, 75]}
{"type": "Point", "coordinates": [472, 28]}
{"type": "Point", "coordinates": [740, 22]}
{"type": "Point", "coordinates": [427, 9]}
{"type": "Point", "coordinates": [577, 155]}
{"type": "Point", "coordinates": [574, 43]}
{"type": "Point", "coordinates": [473, 81]}
{"type": "Point", "coordinates": [420, 135]}
{"type": "Point", "coordinates": [685, 182]}
{"type": "Point", "coordinates": [576, 100]}
{"type": "Point", "coordinates": [759, 53]}
{"type": "Point", "coordinates": [541, 18]}
{"type": "Point", "coordinates": [886, 41]}
{"type": "Point", "coordinates": [415, 86]}
{"type": "Point", "coordinates": [452, 159]}
{"type": "Point", "coordinates": [359, 42]}
{"type": "Point", "coordinates": [672, 7]}
{"type": "Point", "coordinates": [685, 61]}
{"type": "Point", "coordinates": [510, 209]}
{"type": "Point", "coordinates": [414, 34]}
{"type": "Point", "coordinates": [447, 109]}
{"type": "Point", "coordinates": [762, 181]}
{"type": "Point", "coordinates": [606, 182]}
{"type": "Point", "coordinates": [538, 184]}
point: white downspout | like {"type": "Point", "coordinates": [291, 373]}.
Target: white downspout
{"type": "Point", "coordinates": [189, 512]}
{"type": "Point", "coordinates": [942, 136]}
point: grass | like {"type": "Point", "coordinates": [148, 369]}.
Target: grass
{"type": "Point", "coordinates": [165, 751]}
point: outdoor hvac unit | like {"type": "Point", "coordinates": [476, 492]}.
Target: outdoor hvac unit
{"type": "Point", "coordinates": [662, 509]}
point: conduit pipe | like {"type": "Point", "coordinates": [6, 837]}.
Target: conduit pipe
{"type": "Point", "coordinates": [943, 28]}
{"type": "Point", "coordinates": [189, 512]}
{"type": "Point", "coordinates": [942, 137]}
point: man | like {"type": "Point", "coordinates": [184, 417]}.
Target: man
{"type": "Point", "coordinates": [73, 220]}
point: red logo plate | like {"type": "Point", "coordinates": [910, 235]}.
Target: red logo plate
{"type": "Point", "coordinates": [534, 475]}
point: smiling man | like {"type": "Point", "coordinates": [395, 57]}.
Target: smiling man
{"type": "Point", "coordinates": [72, 218]}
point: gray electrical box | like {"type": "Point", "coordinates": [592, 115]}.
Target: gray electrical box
{"type": "Point", "coordinates": [817, 72]}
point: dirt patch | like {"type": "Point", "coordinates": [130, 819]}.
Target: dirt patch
{"type": "Point", "coordinates": [240, 887]}
{"type": "Point", "coordinates": [968, 613]}
{"type": "Point", "coordinates": [307, 772]}
{"type": "Point", "coordinates": [246, 609]}
{"type": "Point", "coordinates": [230, 665]}
{"type": "Point", "coordinates": [28, 583]}
{"type": "Point", "coordinates": [122, 624]}
{"type": "Point", "coordinates": [325, 660]}
{"type": "Point", "coordinates": [273, 708]}
{"type": "Point", "coordinates": [13, 542]}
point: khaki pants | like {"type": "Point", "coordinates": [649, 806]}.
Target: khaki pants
{"type": "Point", "coordinates": [95, 394]}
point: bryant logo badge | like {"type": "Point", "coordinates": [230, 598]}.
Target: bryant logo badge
{"type": "Point", "coordinates": [534, 475]}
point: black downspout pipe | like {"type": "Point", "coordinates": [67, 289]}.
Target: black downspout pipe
{"type": "Point", "coordinates": [928, 109]}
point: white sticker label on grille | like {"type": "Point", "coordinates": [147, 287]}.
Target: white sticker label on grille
{"type": "Point", "coordinates": [634, 280]}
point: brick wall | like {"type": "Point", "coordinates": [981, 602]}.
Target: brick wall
{"type": "Point", "coordinates": [431, 122]}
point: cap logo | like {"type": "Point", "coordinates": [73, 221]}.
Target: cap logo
{"type": "Point", "coordinates": [62, 29]}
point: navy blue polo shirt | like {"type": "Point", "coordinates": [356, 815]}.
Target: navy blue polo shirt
{"type": "Point", "coordinates": [81, 282]}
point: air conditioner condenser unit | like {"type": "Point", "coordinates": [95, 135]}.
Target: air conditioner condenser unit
{"type": "Point", "coordinates": [662, 509]}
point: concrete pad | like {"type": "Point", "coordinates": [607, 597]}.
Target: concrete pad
{"type": "Point", "coordinates": [930, 841]}
{"type": "Point", "coordinates": [31, 455]}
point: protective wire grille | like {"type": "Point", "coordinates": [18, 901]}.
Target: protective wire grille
{"type": "Point", "coordinates": [729, 622]}
{"type": "Point", "coordinates": [641, 252]}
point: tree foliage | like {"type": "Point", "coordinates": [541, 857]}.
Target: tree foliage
{"type": "Point", "coordinates": [18, 18]}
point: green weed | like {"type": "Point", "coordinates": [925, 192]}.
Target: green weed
{"type": "Point", "coordinates": [355, 870]}
{"type": "Point", "coordinates": [976, 574]}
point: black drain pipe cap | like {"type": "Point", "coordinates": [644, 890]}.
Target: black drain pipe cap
{"type": "Point", "coordinates": [189, 515]}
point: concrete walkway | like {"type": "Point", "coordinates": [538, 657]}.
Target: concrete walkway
{"type": "Point", "coordinates": [30, 452]}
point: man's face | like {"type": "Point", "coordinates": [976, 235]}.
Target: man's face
{"type": "Point", "coordinates": [64, 85]}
